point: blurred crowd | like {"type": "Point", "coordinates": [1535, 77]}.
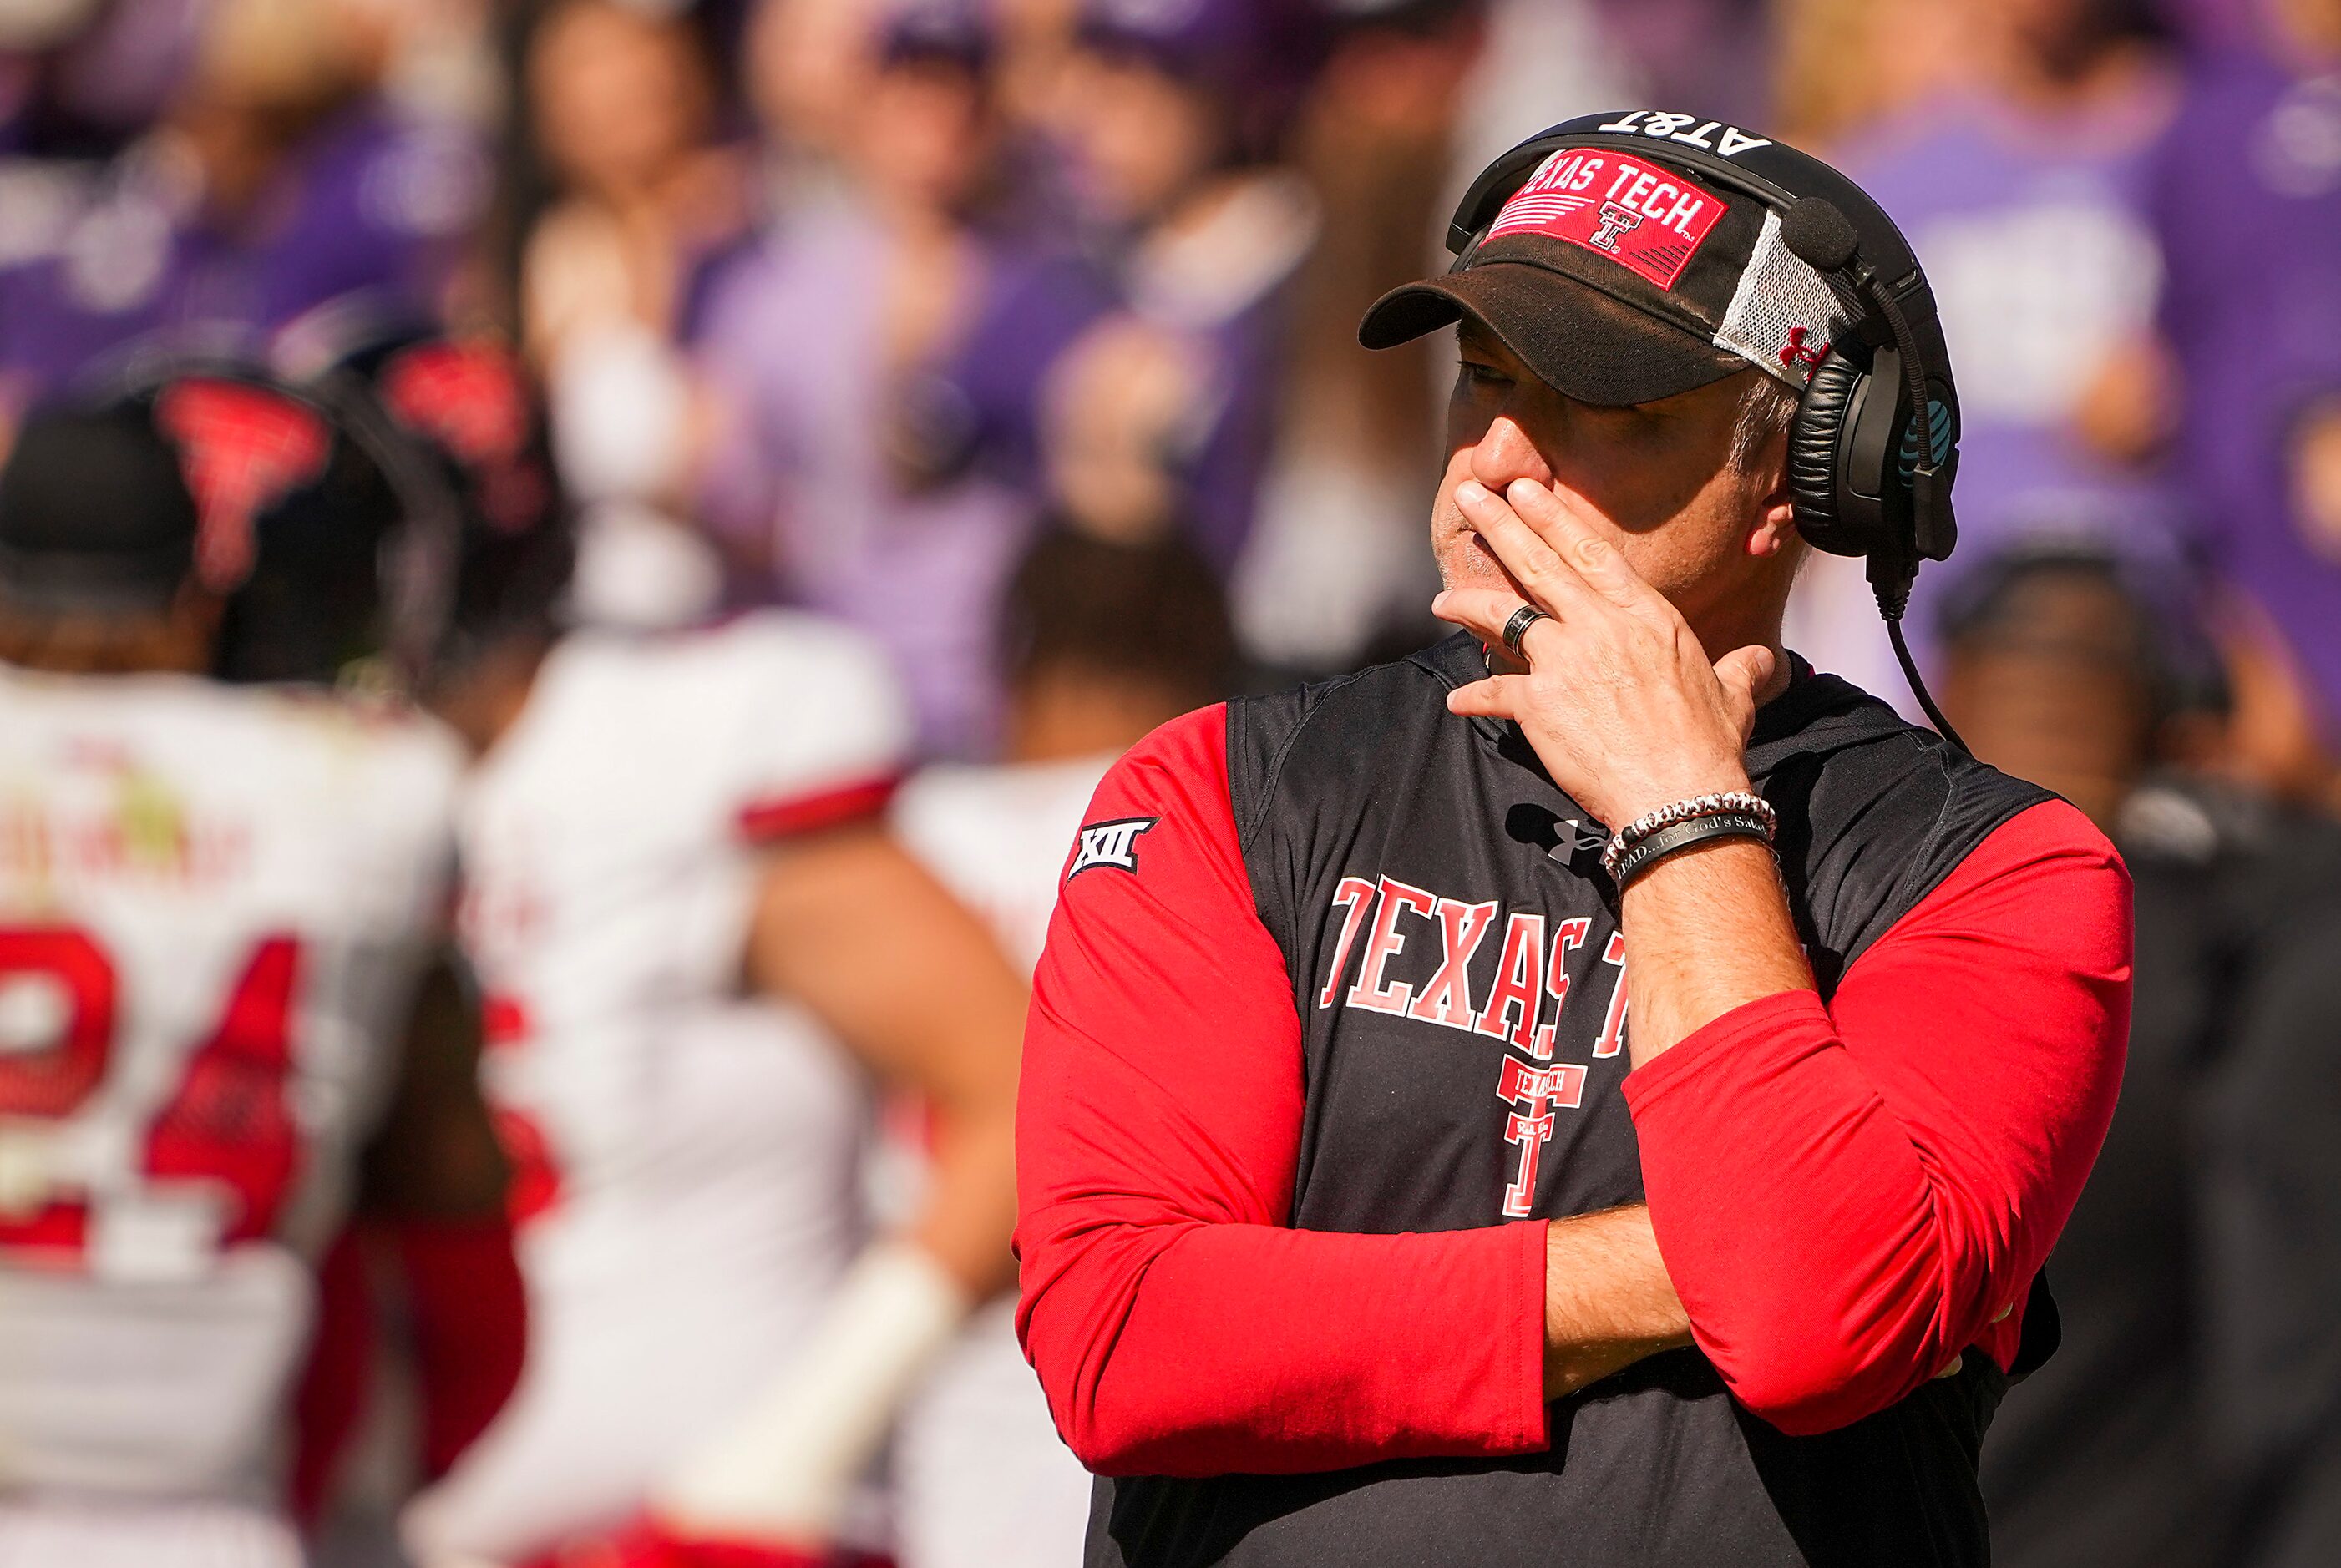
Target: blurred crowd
{"type": "Point", "coordinates": [937, 317]}
{"type": "Point", "coordinates": [841, 303]}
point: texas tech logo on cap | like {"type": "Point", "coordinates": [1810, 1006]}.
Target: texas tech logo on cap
{"type": "Point", "coordinates": [1113, 844]}
{"type": "Point", "coordinates": [1646, 217]}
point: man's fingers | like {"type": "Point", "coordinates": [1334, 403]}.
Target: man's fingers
{"type": "Point", "coordinates": [1535, 565]}
{"type": "Point", "coordinates": [1498, 697]}
{"type": "Point", "coordinates": [1485, 612]}
{"type": "Point", "coordinates": [1742, 673]}
{"type": "Point", "coordinates": [1744, 670]}
{"type": "Point", "coordinates": [1597, 561]}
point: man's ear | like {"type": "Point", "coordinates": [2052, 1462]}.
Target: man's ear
{"type": "Point", "coordinates": [1774, 531]}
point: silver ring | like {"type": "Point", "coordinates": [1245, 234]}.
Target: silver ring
{"type": "Point", "coordinates": [1526, 616]}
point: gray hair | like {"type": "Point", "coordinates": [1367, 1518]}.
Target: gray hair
{"type": "Point", "coordinates": [1767, 406]}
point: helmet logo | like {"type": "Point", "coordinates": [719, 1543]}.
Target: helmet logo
{"type": "Point", "coordinates": [465, 396]}
{"type": "Point", "coordinates": [244, 449]}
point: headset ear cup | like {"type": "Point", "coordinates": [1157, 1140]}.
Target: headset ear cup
{"type": "Point", "coordinates": [1814, 437]}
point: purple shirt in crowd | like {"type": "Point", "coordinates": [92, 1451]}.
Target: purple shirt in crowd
{"type": "Point", "coordinates": [2247, 199]}
{"type": "Point", "coordinates": [2036, 237]}
{"type": "Point", "coordinates": [374, 204]}
{"type": "Point", "coordinates": [793, 339]}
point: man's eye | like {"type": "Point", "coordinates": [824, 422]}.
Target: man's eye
{"type": "Point", "coordinates": [1478, 374]}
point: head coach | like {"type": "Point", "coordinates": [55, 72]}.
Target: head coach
{"type": "Point", "coordinates": [1360, 1222]}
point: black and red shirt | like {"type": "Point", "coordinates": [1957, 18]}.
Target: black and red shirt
{"type": "Point", "coordinates": [1332, 1017]}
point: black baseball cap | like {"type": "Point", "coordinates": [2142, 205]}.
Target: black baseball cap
{"type": "Point", "coordinates": [1621, 276]}
{"type": "Point", "coordinates": [95, 513]}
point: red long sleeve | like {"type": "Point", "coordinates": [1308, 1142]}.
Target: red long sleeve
{"type": "Point", "coordinates": [1846, 1197]}
{"type": "Point", "coordinates": [1178, 1327]}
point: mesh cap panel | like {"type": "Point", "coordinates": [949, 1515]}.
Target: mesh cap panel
{"type": "Point", "coordinates": [1784, 314]}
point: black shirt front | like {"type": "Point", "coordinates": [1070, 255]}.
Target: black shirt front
{"type": "Point", "coordinates": [1365, 788]}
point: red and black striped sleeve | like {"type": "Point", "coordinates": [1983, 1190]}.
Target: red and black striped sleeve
{"type": "Point", "coordinates": [1179, 1325]}
{"type": "Point", "coordinates": [1849, 1196]}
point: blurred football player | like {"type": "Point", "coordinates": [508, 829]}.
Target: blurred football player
{"type": "Point", "coordinates": [218, 909]}
{"type": "Point", "coordinates": [1099, 643]}
{"type": "Point", "coordinates": [700, 946]}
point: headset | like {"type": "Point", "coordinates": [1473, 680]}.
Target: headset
{"type": "Point", "coordinates": [1865, 481]}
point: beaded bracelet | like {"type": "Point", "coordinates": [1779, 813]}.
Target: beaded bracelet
{"type": "Point", "coordinates": [1666, 841]}
{"type": "Point", "coordinates": [1739, 801]}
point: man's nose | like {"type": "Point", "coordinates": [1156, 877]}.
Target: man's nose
{"type": "Point", "coordinates": [1505, 454]}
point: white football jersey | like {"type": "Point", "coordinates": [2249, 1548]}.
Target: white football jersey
{"type": "Point", "coordinates": [983, 1480]}
{"type": "Point", "coordinates": [689, 1161]}
{"type": "Point", "coordinates": [214, 906]}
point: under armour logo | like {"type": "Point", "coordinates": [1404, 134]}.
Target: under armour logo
{"type": "Point", "coordinates": [1578, 839]}
{"type": "Point", "coordinates": [1797, 352]}
{"type": "Point", "coordinates": [1615, 221]}
{"type": "Point", "coordinates": [1113, 844]}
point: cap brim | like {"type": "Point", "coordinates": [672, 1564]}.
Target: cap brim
{"type": "Point", "coordinates": [1578, 340]}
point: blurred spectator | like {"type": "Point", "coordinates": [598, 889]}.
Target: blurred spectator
{"type": "Point", "coordinates": [815, 348]}
{"type": "Point", "coordinates": [2023, 186]}
{"type": "Point", "coordinates": [2247, 200]}
{"type": "Point", "coordinates": [83, 77]}
{"type": "Point", "coordinates": [281, 180]}
{"type": "Point", "coordinates": [1338, 554]}
{"type": "Point", "coordinates": [2192, 1415]}
{"type": "Point", "coordinates": [1411, 96]}
{"type": "Point", "coordinates": [1158, 418]}
{"type": "Point", "coordinates": [1543, 62]}
{"type": "Point", "coordinates": [1100, 643]}
{"type": "Point", "coordinates": [1840, 66]}
{"type": "Point", "coordinates": [614, 275]}
{"type": "Point", "coordinates": [1035, 38]}
{"type": "Point", "coordinates": [1693, 53]}
{"type": "Point", "coordinates": [806, 65]}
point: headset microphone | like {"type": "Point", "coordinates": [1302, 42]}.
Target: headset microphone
{"type": "Point", "coordinates": [1820, 234]}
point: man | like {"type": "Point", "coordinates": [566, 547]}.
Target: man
{"type": "Point", "coordinates": [698, 943]}
{"type": "Point", "coordinates": [2192, 1414]}
{"type": "Point", "coordinates": [1334, 1146]}
{"type": "Point", "coordinates": [216, 910]}
{"type": "Point", "coordinates": [1099, 643]}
